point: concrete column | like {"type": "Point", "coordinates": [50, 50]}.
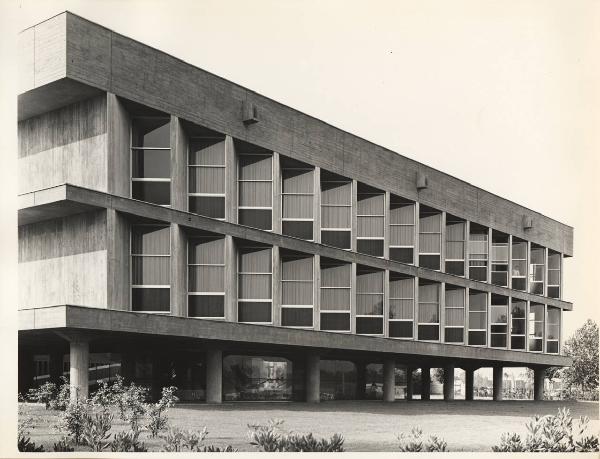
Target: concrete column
{"type": "Point", "coordinates": [231, 197]}
{"type": "Point", "coordinates": [538, 383]}
{"type": "Point", "coordinates": [449, 382]}
{"type": "Point", "coordinates": [469, 383]}
{"type": "Point", "coordinates": [118, 237]}
{"type": "Point", "coordinates": [230, 279]}
{"type": "Point", "coordinates": [276, 285]}
{"type": "Point", "coordinates": [389, 380]}
{"type": "Point", "coordinates": [179, 161]}
{"type": "Point", "coordinates": [425, 383]}
{"type": "Point", "coordinates": [313, 378]}
{"type": "Point", "coordinates": [79, 372]}
{"type": "Point", "coordinates": [178, 271]}
{"type": "Point", "coordinates": [361, 380]}
{"type": "Point", "coordinates": [409, 383]}
{"type": "Point", "coordinates": [317, 205]}
{"type": "Point", "coordinates": [497, 390]}
{"type": "Point", "coordinates": [277, 210]}
{"type": "Point", "coordinates": [118, 147]}
{"type": "Point", "coordinates": [214, 376]}
{"type": "Point", "coordinates": [354, 214]}
{"type": "Point", "coordinates": [317, 292]}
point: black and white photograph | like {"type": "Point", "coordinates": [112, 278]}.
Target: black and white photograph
{"type": "Point", "coordinates": [299, 226]}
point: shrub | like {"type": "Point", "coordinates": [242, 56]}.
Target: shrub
{"type": "Point", "coordinates": [73, 419]}
{"type": "Point", "coordinates": [551, 434]}
{"type": "Point", "coordinates": [178, 440]}
{"type": "Point", "coordinates": [273, 438]}
{"type": "Point", "coordinates": [96, 428]}
{"type": "Point", "coordinates": [45, 394]}
{"type": "Point", "coordinates": [104, 396]}
{"type": "Point", "coordinates": [132, 404]}
{"type": "Point", "coordinates": [24, 444]}
{"type": "Point", "coordinates": [157, 412]}
{"type": "Point", "coordinates": [124, 442]}
{"type": "Point", "coordinates": [63, 395]}
{"type": "Point", "coordinates": [414, 442]}
{"type": "Point", "coordinates": [63, 446]}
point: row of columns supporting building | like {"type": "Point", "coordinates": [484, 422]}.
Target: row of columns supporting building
{"type": "Point", "coordinates": [79, 363]}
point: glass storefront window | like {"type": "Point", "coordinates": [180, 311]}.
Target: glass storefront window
{"type": "Point", "coordinates": [256, 378]}
{"type": "Point", "coordinates": [338, 380]}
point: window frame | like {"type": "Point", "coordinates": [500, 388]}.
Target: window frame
{"type": "Point", "coordinates": [349, 229]}
{"type": "Point", "coordinates": [308, 168]}
{"type": "Point", "coordinates": [413, 225]}
{"type": "Point", "coordinates": [189, 293]}
{"type": "Point", "coordinates": [271, 181]}
{"type": "Point", "coordinates": [256, 300]}
{"type": "Point", "coordinates": [412, 299]}
{"type": "Point", "coordinates": [299, 281]}
{"type": "Point", "coordinates": [336, 311]}
{"type": "Point", "coordinates": [207, 166]}
{"type": "Point", "coordinates": [381, 294]}
{"type": "Point", "coordinates": [382, 216]}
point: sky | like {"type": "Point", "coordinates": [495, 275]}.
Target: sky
{"type": "Point", "coordinates": [502, 94]}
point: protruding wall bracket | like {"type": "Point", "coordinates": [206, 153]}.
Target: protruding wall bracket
{"type": "Point", "coordinates": [249, 113]}
{"type": "Point", "coordinates": [527, 222]}
{"type": "Point", "coordinates": [422, 181]}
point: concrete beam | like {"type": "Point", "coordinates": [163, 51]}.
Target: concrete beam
{"type": "Point", "coordinates": [103, 320]}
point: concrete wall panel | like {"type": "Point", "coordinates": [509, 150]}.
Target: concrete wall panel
{"type": "Point", "coordinates": [64, 261]}
{"type": "Point", "coordinates": [50, 50]}
{"type": "Point", "coordinates": [66, 145]}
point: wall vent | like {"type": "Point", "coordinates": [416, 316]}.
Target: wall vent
{"type": "Point", "coordinates": [527, 222]}
{"type": "Point", "coordinates": [249, 113]}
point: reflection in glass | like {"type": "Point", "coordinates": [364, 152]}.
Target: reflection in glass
{"type": "Point", "coordinates": [256, 378]}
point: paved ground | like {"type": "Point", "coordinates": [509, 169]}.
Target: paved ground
{"type": "Point", "coordinates": [365, 425]}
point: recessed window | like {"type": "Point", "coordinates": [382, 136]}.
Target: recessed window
{"type": "Point", "coordinates": [429, 311]}
{"type": "Point", "coordinates": [519, 264]}
{"type": "Point", "coordinates": [536, 327]}
{"type": "Point", "coordinates": [255, 297]}
{"type": "Point", "coordinates": [206, 277]}
{"type": "Point", "coordinates": [151, 160]}
{"type": "Point", "coordinates": [255, 187]}
{"type": "Point", "coordinates": [537, 269]}
{"type": "Point", "coordinates": [518, 324]}
{"type": "Point", "coordinates": [297, 290]}
{"type": "Point", "coordinates": [498, 321]}
{"type": "Point", "coordinates": [553, 330]}
{"type": "Point", "coordinates": [402, 229]}
{"type": "Point", "coordinates": [554, 262]}
{"type": "Point", "coordinates": [335, 295]}
{"type": "Point", "coordinates": [150, 268]}
{"type": "Point", "coordinates": [369, 300]}
{"type": "Point", "coordinates": [477, 318]}
{"type": "Point", "coordinates": [206, 176]}
{"type": "Point", "coordinates": [402, 305]}
{"type": "Point", "coordinates": [430, 237]}
{"type": "Point", "coordinates": [478, 253]}
{"type": "Point", "coordinates": [336, 210]}
{"type": "Point", "coordinates": [500, 259]}
{"type": "Point", "coordinates": [454, 329]}
{"type": "Point", "coordinates": [297, 198]}
{"type": "Point", "coordinates": [455, 245]}
{"type": "Point", "coordinates": [370, 220]}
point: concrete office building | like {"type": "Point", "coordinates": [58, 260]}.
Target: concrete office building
{"type": "Point", "coordinates": [176, 228]}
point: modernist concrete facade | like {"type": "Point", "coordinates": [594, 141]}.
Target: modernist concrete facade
{"type": "Point", "coordinates": [176, 228]}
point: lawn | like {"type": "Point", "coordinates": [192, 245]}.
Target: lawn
{"type": "Point", "coordinates": [365, 425]}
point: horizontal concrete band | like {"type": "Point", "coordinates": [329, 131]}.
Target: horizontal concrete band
{"type": "Point", "coordinates": [106, 320]}
{"type": "Point", "coordinates": [69, 199]}
{"type": "Point", "coordinates": [77, 59]}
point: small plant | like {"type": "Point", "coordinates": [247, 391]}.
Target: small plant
{"type": "Point", "coordinates": [217, 449]}
{"type": "Point", "coordinates": [25, 445]}
{"type": "Point", "coordinates": [173, 440]}
{"type": "Point", "coordinates": [176, 440]}
{"type": "Point", "coordinates": [414, 442]}
{"type": "Point", "coordinates": [157, 412]}
{"type": "Point", "coordinates": [96, 428]}
{"type": "Point", "coordinates": [45, 394]}
{"type": "Point", "coordinates": [24, 442]}
{"type": "Point", "coordinates": [551, 434]}
{"type": "Point", "coordinates": [273, 438]}
{"type": "Point", "coordinates": [132, 404]}
{"type": "Point", "coordinates": [63, 446]}
{"type": "Point", "coordinates": [63, 395]}
{"type": "Point", "coordinates": [124, 442]}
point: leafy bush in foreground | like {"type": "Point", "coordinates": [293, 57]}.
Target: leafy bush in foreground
{"type": "Point", "coordinates": [414, 442]}
{"type": "Point", "coordinates": [273, 438]}
{"type": "Point", "coordinates": [124, 442]}
{"type": "Point", "coordinates": [551, 434]}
